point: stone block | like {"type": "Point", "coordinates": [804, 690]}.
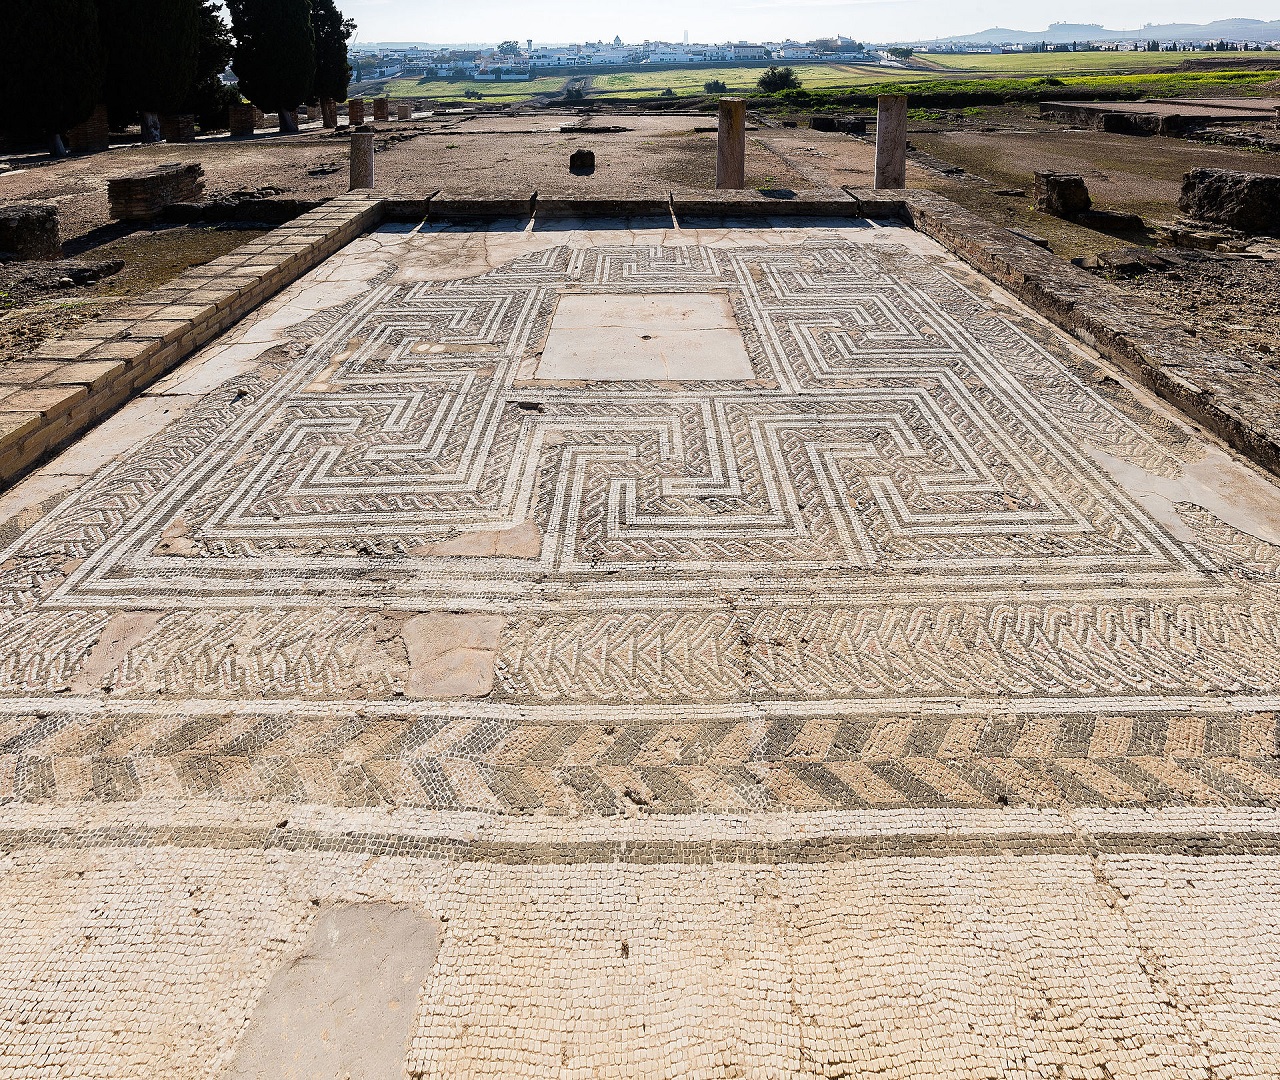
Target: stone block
{"type": "Point", "coordinates": [1249, 202]}
{"type": "Point", "coordinates": [94, 374]}
{"type": "Point", "coordinates": [17, 424]}
{"type": "Point", "coordinates": [30, 230]}
{"type": "Point", "coordinates": [180, 128]}
{"type": "Point", "coordinates": [1061, 194]}
{"type": "Point", "coordinates": [62, 350]}
{"type": "Point", "coordinates": [46, 400]}
{"type": "Point", "coordinates": [582, 162]}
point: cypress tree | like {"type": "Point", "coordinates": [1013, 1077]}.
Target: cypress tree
{"type": "Point", "coordinates": [150, 47]}
{"type": "Point", "coordinates": [332, 32]}
{"type": "Point", "coordinates": [209, 97]}
{"type": "Point", "coordinates": [275, 58]}
{"type": "Point", "coordinates": [50, 68]}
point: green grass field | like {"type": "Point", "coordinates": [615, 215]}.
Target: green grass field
{"type": "Point", "coordinates": [1063, 64]}
{"type": "Point", "coordinates": [686, 81]}
{"type": "Point", "coordinates": [454, 89]}
{"type": "Point", "coordinates": [1018, 76]}
{"type": "Point", "coordinates": [1104, 87]}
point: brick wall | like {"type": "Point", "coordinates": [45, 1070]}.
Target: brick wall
{"type": "Point", "coordinates": [142, 196]}
{"type": "Point", "coordinates": [93, 134]}
{"type": "Point", "coordinates": [64, 387]}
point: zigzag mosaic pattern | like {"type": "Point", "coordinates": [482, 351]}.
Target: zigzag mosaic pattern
{"type": "Point", "coordinates": [663, 761]}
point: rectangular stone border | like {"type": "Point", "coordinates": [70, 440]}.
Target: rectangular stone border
{"type": "Point", "coordinates": [66, 386]}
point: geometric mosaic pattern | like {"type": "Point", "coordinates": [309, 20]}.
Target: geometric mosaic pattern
{"type": "Point", "coordinates": [847, 719]}
{"type": "Point", "coordinates": [885, 571]}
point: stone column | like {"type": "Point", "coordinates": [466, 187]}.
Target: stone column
{"type": "Point", "coordinates": [380, 108]}
{"type": "Point", "coordinates": [731, 144]}
{"type": "Point", "coordinates": [355, 111]}
{"type": "Point", "coordinates": [891, 141]}
{"type": "Point", "coordinates": [361, 159]}
{"type": "Point", "coordinates": [329, 113]}
{"type": "Point", "coordinates": [404, 112]}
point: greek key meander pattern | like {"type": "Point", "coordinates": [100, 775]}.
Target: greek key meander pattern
{"type": "Point", "coordinates": [887, 571]}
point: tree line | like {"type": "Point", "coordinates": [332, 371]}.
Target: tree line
{"type": "Point", "coordinates": [61, 59]}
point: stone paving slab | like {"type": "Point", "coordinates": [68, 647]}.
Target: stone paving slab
{"type": "Point", "coordinates": [903, 703]}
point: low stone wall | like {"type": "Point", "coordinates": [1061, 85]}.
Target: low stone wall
{"type": "Point", "coordinates": [1114, 121]}
{"type": "Point", "coordinates": [142, 196]}
{"type": "Point", "coordinates": [1156, 350]}
{"type": "Point", "coordinates": [64, 387]}
{"type": "Point", "coordinates": [30, 230]}
{"type": "Point", "coordinates": [268, 210]}
{"type": "Point", "coordinates": [849, 125]}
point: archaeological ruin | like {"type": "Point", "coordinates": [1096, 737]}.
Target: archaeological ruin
{"type": "Point", "coordinates": [736, 613]}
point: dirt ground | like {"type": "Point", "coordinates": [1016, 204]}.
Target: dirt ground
{"type": "Point", "coordinates": [1128, 173]}
{"type": "Point", "coordinates": [1233, 299]}
{"type": "Point", "coordinates": [982, 158]}
{"type": "Point", "coordinates": [36, 301]}
{"type": "Point", "coordinates": [461, 155]}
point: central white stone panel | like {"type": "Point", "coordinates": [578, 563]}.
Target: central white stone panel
{"type": "Point", "coordinates": [644, 336]}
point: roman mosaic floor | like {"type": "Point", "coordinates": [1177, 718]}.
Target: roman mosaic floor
{"type": "Point", "coordinates": [641, 651]}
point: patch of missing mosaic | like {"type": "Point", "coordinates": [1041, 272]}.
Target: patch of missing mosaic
{"type": "Point", "coordinates": [451, 655]}
{"type": "Point", "coordinates": [523, 541]}
{"type": "Point", "coordinates": [645, 336]}
{"type": "Point", "coordinates": [342, 1009]}
{"type": "Point", "coordinates": [1219, 483]}
{"type": "Point", "coordinates": [118, 637]}
{"type": "Point", "coordinates": [310, 653]}
{"type": "Point", "coordinates": [20, 521]}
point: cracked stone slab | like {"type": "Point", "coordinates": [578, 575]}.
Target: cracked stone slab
{"type": "Point", "coordinates": [451, 655]}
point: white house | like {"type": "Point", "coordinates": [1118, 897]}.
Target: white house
{"type": "Point", "coordinates": [792, 50]}
{"type": "Point", "coordinates": [548, 58]}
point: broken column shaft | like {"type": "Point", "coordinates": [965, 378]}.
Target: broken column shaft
{"type": "Point", "coordinates": [891, 141]}
{"type": "Point", "coordinates": [731, 144]}
{"type": "Point", "coordinates": [361, 159]}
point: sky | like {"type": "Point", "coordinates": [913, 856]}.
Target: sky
{"type": "Point", "coordinates": [559, 21]}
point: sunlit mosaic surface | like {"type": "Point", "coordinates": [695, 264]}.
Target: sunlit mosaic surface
{"type": "Point", "coordinates": [884, 688]}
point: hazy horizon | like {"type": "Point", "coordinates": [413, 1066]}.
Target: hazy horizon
{"type": "Point", "coordinates": [721, 20]}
